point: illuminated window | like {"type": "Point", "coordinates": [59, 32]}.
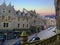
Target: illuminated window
{"type": "Point", "coordinates": [3, 17]}
{"type": "Point", "coordinates": [9, 17]}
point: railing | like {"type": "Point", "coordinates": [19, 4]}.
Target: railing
{"type": "Point", "coordinates": [55, 40]}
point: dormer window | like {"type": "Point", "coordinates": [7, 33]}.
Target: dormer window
{"type": "Point", "coordinates": [17, 12]}
{"type": "Point", "coordinates": [4, 10]}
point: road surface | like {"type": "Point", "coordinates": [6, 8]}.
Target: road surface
{"type": "Point", "coordinates": [42, 35]}
{"type": "Point", "coordinates": [45, 33]}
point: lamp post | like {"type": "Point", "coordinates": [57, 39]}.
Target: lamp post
{"type": "Point", "coordinates": [36, 31]}
{"type": "Point", "coordinates": [6, 35]}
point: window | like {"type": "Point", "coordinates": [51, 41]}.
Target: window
{"type": "Point", "coordinates": [3, 17]}
{"type": "Point", "coordinates": [18, 25]}
{"type": "Point", "coordinates": [18, 18]}
{"type": "Point", "coordinates": [27, 20]}
{"type": "Point", "coordinates": [17, 12]}
{"type": "Point", "coordinates": [34, 21]}
{"type": "Point", "coordinates": [23, 19]}
{"type": "Point", "coordinates": [5, 24]}
{"type": "Point", "coordinates": [23, 25]}
{"type": "Point", "coordinates": [9, 17]}
{"type": "Point", "coordinates": [9, 11]}
{"type": "Point", "coordinates": [27, 25]}
{"type": "Point", "coordinates": [4, 10]}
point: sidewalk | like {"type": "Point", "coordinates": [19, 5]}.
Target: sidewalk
{"type": "Point", "coordinates": [11, 42]}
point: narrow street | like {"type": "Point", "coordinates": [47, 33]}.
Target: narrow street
{"type": "Point", "coordinates": [42, 35]}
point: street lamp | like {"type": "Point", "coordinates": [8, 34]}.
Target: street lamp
{"type": "Point", "coordinates": [36, 31]}
{"type": "Point", "coordinates": [6, 35]}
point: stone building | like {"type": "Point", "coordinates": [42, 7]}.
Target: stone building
{"type": "Point", "coordinates": [50, 22]}
{"type": "Point", "coordinates": [11, 19]}
{"type": "Point", "coordinates": [12, 22]}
